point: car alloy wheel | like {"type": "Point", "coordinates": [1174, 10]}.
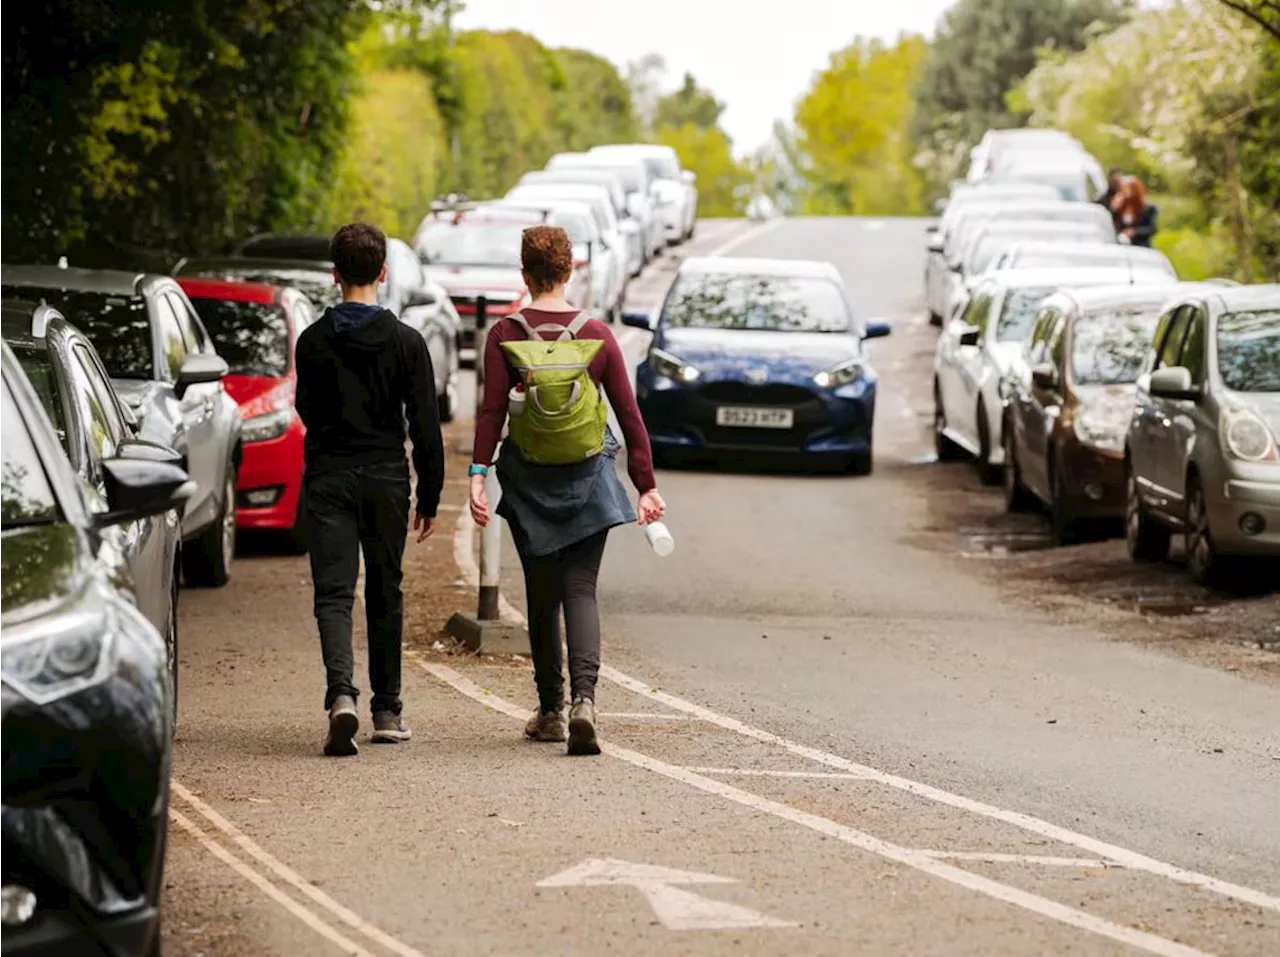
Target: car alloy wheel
{"type": "Point", "coordinates": [228, 542]}
{"type": "Point", "coordinates": [1145, 540]}
{"type": "Point", "coordinates": [1063, 522]}
{"type": "Point", "coordinates": [206, 561]}
{"type": "Point", "coordinates": [1202, 558]}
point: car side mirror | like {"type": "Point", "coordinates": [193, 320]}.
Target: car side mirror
{"type": "Point", "coordinates": [970, 336]}
{"type": "Point", "coordinates": [1173, 382]}
{"type": "Point", "coordinates": [1044, 376]}
{"type": "Point", "coordinates": [688, 177]}
{"type": "Point", "coordinates": [638, 319]}
{"type": "Point", "coordinates": [138, 487]}
{"type": "Point", "coordinates": [934, 243]}
{"type": "Point", "coordinates": [199, 367]}
{"type": "Point", "coordinates": [877, 329]}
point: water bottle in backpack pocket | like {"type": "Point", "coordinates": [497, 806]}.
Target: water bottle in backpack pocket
{"type": "Point", "coordinates": [564, 416]}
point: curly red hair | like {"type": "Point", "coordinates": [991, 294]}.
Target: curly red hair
{"type": "Point", "coordinates": [546, 255]}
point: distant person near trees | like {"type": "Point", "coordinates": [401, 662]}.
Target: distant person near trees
{"type": "Point", "coordinates": [1135, 218]}
{"type": "Point", "coordinates": [1115, 179]}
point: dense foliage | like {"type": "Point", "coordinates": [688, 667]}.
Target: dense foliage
{"type": "Point", "coordinates": [853, 127]}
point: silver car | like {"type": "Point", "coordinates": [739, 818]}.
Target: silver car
{"type": "Point", "coordinates": [1201, 455]}
{"type": "Point", "coordinates": [164, 366]}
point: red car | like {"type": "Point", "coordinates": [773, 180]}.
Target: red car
{"type": "Point", "coordinates": [255, 328]}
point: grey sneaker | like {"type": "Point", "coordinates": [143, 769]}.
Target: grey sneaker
{"type": "Point", "coordinates": [582, 727]}
{"type": "Point", "coordinates": [546, 726]}
{"type": "Point", "coordinates": [343, 724]}
{"type": "Point", "coordinates": [389, 728]}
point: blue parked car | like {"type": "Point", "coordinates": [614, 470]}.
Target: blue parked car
{"type": "Point", "coordinates": [759, 356]}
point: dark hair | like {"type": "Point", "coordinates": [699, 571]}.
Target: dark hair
{"type": "Point", "coordinates": [546, 254]}
{"type": "Point", "coordinates": [1114, 172]}
{"type": "Point", "coordinates": [358, 251]}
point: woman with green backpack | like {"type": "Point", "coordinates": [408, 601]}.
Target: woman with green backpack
{"type": "Point", "coordinates": [548, 370]}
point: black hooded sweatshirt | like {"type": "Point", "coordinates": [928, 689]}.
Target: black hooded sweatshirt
{"type": "Point", "coordinates": [361, 375]}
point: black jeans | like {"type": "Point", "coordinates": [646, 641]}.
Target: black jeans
{"type": "Point", "coordinates": [567, 579]}
{"type": "Point", "coordinates": [350, 510]}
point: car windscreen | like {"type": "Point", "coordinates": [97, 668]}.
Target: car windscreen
{"type": "Point", "coordinates": [765, 303]}
{"type": "Point", "coordinates": [38, 365]}
{"type": "Point", "coordinates": [474, 244]}
{"type": "Point", "coordinates": [26, 497]}
{"type": "Point", "coordinates": [576, 225]}
{"type": "Point", "coordinates": [117, 326]}
{"type": "Point", "coordinates": [632, 177]}
{"type": "Point", "coordinates": [1019, 312]}
{"type": "Point", "coordinates": [253, 337]}
{"type": "Point", "coordinates": [1104, 255]}
{"type": "Point", "coordinates": [1110, 346]}
{"type": "Point", "coordinates": [662, 167]}
{"type": "Point", "coordinates": [1249, 350]}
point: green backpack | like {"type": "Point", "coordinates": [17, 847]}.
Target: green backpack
{"type": "Point", "coordinates": [564, 416]}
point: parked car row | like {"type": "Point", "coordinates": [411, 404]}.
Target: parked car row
{"type": "Point", "coordinates": [621, 204]}
{"type": "Point", "coordinates": [1084, 377]}
{"type": "Point", "coordinates": [147, 419]}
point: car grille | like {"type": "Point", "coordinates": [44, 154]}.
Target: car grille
{"type": "Point", "coordinates": [768, 394]}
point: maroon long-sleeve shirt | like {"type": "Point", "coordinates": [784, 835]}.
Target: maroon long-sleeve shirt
{"type": "Point", "coordinates": [607, 369]}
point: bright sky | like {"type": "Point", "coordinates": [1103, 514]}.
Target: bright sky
{"type": "Point", "coordinates": [756, 57]}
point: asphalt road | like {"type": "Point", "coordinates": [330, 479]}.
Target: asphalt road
{"type": "Point", "coordinates": [822, 737]}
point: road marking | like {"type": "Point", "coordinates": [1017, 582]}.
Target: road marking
{"type": "Point", "coordinates": [1130, 859]}
{"type": "Point", "coordinates": [267, 888]}
{"type": "Point", "coordinates": [643, 716]}
{"type": "Point", "coordinates": [676, 909]}
{"type": "Point", "coordinates": [1120, 855]}
{"type": "Point", "coordinates": [761, 773]}
{"type": "Point", "coordinates": [743, 238]}
{"type": "Point", "coordinates": [911, 858]}
{"type": "Point", "coordinates": [1042, 859]}
{"type": "Point", "coordinates": [290, 876]}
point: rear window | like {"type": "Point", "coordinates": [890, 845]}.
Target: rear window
{"type": "Point", "coordinates": [117, 326]}
{"type": "Point", "coordinates": [252, 337]}
{"type": "Point", "coordinates": [765, 303]}
{"type": "Point", "coordinates": [1109, 348]}
{"type": "Point", "coordinates": [473, 244]}
{"type": "Point", "coordinates": [1249, 350]}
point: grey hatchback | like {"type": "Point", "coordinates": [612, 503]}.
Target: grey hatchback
{"type": "Point", "coordinates": [1201, 454]}
{"type": "Point", "coordinates": [164, 366]}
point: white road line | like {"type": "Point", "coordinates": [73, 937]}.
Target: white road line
{"type": "Point", "coordinates": [290, 876]}
{"type": "Point", "coordinates": [643, 716]}
{"type": "Point", "coordinates": [267, 888]}
{"type": "Point", "coordinates": [1120, 855]}
{"type": "Point", "coordinates": [841, 832]}
{"type": "Point", "coordinates": [743, 238]}
{"type": "Point", "coordinates": [1040, 859]}
{"type": "Point", "coordinates": [761, 773]}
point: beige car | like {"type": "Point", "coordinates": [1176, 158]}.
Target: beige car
{"type": "Point", "coordinates": [1202, 456]}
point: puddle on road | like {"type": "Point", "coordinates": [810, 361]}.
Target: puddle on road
{"type": "Point", "coordinates": [1001, 542]}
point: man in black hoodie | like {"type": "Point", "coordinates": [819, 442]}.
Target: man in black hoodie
{"type": "Point", "coordinates": [362, 374]}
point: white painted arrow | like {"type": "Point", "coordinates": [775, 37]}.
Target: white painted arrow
{"type": "Point", "coordinates": [676, 909]}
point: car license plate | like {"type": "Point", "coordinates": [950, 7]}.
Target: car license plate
{"type": "Point", "coordinates": [738, 417]}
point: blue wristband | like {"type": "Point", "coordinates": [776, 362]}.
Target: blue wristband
{"type": "Point", "coordinates": [478, 469]}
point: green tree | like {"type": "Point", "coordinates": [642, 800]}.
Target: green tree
{"type": "Point", "coordinates": [982, 48]}
{"type": "Point", "coordinates": [853, 129]}
{"type": "Point", "coordinates": [689, 104]}
{"type": "Point", "coordinates": [1264, 13]}
{"type": "Point", "coordinates": [595, 102]}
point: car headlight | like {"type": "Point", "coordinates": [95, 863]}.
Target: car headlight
{"type": "Point", "coordinates": [1245, 436]}
{"type": "Point", "coordinates": [67, 654]}
{"type": "Point", "coordinates": [261, 428]}
{"type": "Point", "coordinates": [673, 367]}
{"type": "Point", "coordinates": [837, 376]}
{"type": "Point", "coordinates": [1100, 429]}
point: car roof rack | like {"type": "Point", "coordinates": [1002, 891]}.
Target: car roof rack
{"type": "Point", "coordinates": [40, 319]}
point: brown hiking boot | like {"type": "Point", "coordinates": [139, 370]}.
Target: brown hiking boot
{"type": "Point", "coordinates": [546, 726]}
{"type": "Point", "coordinates": [582, 727]}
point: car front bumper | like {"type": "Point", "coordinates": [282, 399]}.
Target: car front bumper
{"type": "Point", "coordinates": [1093, 479]}
{"type": "Point", "coordinates": [271, 468]}
{"type": "Point", "coordinates": [1244, 502]}
{"type": "Point", "coordinates": [825, 424]}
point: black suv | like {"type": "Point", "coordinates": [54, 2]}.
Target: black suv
{"type": "Point", "coordinates": [86, 696]}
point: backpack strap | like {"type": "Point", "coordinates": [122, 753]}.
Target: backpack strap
{"type": "Point", "coordinates": [566, 332]}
